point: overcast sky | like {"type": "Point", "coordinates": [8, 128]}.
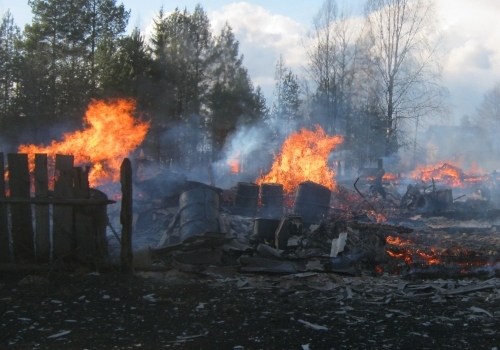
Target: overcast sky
{"type": "Point", "coordinates": [268, 28]}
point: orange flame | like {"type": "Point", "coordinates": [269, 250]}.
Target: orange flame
{"type": "Point", "coordinates": [112, 133]}
{"type": "Point", "coordinates": [303, 157]}
{"type": "Point", "coordinates": [234, 163]}
{"type": "Point", "coordinates": [449, 173]}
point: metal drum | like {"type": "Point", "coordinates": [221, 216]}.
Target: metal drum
{"type": "Point", "coordinates": [312, 202]}
{"type": "Point", "coordinates": [271, 196]}
{"type": "Point", "coordinates": [247, 199]}
{"type": "Point", "coordinates": [199, 212]}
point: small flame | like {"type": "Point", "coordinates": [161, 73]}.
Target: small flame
{"type": "Point", "coordinates": [303, 157]}
{"type": "Point", "coordinates": [234, 163]}
{"type": "Point", "coordinates": [112, 133]}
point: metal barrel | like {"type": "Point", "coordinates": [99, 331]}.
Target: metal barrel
{"type": "Point", "coordinates": [199, 212]}
{"type": "Point", "coordinates": [312, 202]}
{"type": "Point", "coordinates": [247, 199]}
{"type": "Point", "coordinates": [271, 195]}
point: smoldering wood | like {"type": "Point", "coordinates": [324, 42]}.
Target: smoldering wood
{"type": "Point", "coordinates": [4, 224]}
{"type": "Point", "coordinates": [126, 216]}
{"type": "Point", "coordinates": [63, 237]}
{"type": "Point", "coordinates": [22, 229]}
{"type": "Point", "coordinates": [42, 211]}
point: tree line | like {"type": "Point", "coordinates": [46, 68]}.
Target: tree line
{"type": "Point", "coordinates": [372, 81]}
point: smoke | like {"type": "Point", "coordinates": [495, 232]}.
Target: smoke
{"type": "Point", "coordinates": [468, 146]}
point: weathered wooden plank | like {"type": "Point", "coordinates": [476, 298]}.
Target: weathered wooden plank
{"type": "Point", "coordinates": [62, 233]}
{"type": "Point", "coordinates": [42, 222]}
{"type": "Point", "coordinates": [126, 216]}
{"type": "Point", "coordinates": [81, 182]}
{"type": "Point", "coordinates": [22, 226]}
{"type": "Point", "coordinates": [4, 224]}
{"type": "Point", "coordinates": [85, 240]}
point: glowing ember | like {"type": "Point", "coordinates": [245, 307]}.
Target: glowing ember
{"type": "Point", "coordinates": [413, 253]}
{"type": "Point", "coordinates": [303, 157]}
{"type": "Point", "coordinates": [377, 217]}
{"type": "Point", "coordinates": [112, 133]}
{"type": "Point", "coordinates": [386, 177]}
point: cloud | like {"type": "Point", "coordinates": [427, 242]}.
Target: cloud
{"type": "Point", "coordinates": [472, 33]}
{"type": "Point", "coordinates": [263, 37]}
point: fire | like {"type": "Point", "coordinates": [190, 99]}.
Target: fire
{"type": "Point", "coordinates": [234, 164]}
{"type": "Point", "coordinates": [111, 134]}
{"type": "Point", "coordinates": [303, 157]}
{"type": "Point", "coordinates": [449, 173]}
{"type": "Point", "coordinates": [413, 253]}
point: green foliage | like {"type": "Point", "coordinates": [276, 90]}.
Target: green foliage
{"type": "Point", "coordinates": [285, 111]}
{"type": "Point", "coordinates": [74, 51]}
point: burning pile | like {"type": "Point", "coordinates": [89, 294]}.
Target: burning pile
{"type": "Point", "coordinates": [449, 174]}
{"type": "Point", "coordinates": [111, 134]}
{"type": "Point", "coordinates": [304, 157]}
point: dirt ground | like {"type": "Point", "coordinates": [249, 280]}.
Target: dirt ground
{"type": "Point", "coordinates": [154, 310]}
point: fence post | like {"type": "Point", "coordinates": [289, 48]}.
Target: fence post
{"type": "Point", "coordinates": [4, 225]}
{"type": "Point", "coordinates": [126, 216]}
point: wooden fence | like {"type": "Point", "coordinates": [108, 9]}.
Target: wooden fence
{"type": "Point", "coordinates": [66, 223]}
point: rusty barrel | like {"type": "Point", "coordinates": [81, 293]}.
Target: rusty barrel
{"type": "Point", "coordinates": [312, 202]}
{"type": "Point", "coordinates": [271, 195]}
{"type": "Point", "coordinates": [199, 211]}
{"type": "Point", "coordinates": [247, 199]}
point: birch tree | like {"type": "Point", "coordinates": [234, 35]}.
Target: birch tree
{"type": "Point", "coordinates": [404, 53]}
{"type": "Point", "coordinates": [332, 56]}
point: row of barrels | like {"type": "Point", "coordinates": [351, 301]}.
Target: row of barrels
{"type": "Point", "coordinates": [199, 207]}
{"type": "Point", "coordinates": [312, 201]}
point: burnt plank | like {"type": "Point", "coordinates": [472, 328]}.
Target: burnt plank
{"type": "Point", "coordinates": [85, 240]}
{"type": "Point", "coordinates": [22, 226]}
{"type": "Point", "coordinates": [42, 222]}
{"type": "Point", "coordinates": [126, 216]}
{"type": "Point", "coordinates": [62, 232]}
{"type": "Point", "coordinates": [4, 225]}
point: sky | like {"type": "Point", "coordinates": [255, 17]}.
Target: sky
{"type": "Point", "coordinates": [267, 29]}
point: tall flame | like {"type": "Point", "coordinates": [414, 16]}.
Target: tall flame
{"type": "Point", "coordinates": [303, 156]}
{"type": "Point", "coordinates": [111, 134]}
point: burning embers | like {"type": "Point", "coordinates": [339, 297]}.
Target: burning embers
{"type": "Point", "coordinates": [304, 157]}
{"type": "Point", "coordinates": [111, 134]}
{"type": "Point", "coordinates": [420, 253]}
